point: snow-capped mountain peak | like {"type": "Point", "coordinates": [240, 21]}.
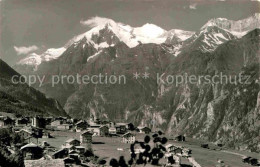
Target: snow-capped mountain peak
{"type": "Point", "coordinates": [131, 36]}
{"type": "Point", "coordinates": [107, 33]}
{"type": "Point", "coordinates": [175, 36]}
{"type": "Point", "coordinates": [52, 53]}
{"type": "Point", "coordinates": [238, 28]}
{"type": "Point", "coordinates": [149, 31]}
{"type": "Point", "coordinates": [34, 59]}
{"type": "Point", "coordinates": [210, 37]}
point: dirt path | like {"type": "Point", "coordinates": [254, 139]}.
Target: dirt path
{"type": "Point", "coordinates": [194, 163]}
{"type": "Point", "coordinates": [230, 152]}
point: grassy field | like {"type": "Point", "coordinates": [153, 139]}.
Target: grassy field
{"type": "Point", "coordinates": [107, 147]}
{"type": "Point", "coordinates": [209, 157]}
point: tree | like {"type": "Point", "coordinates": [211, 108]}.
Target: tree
{"type": "Point", "coordinates": [149, 156]}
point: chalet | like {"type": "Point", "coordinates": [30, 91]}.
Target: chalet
{"type": "Point", "coordinates": [74, 120]}
{"type": "Point", "coordinates": [38, 122]}
{"type": "Point", "coordinates": [75, 157]}
{"type": "Point", "coordinates": [204, 146]}
{"type": "Point", "coordinates": [2, 123]}
{"type": "Point", "coordinates": [56, 123]}
{"type": "Point", "coordinates": [32, 151]}
{"type": "Point", "coordinates": [121, 128]}
{"type": "Point", "coordinates": [69, 161]}
{"type": "Point", "coordinates": [186, 152]}
{"type": "Point", "coordinates": [6, 121]}
{"type": "Point", "coordinates": [111, 124]}
{"type": "Point", "coordinates": [98, 121]}
{"type": "Point", "coordinates": [99, 130]}
{"type": "Point", "coordinates": [45, 144]}
{"type": "Point", "coordinates": [60, 154]}
{"type": "Point", "coordinates": [28, 136]}
{"type": "Point", "coordinates": [80, 149]}
{"type": "Point", "coordinates": [138, 148]}
{"type": "Point", "coordinates": [177, 160]}
{"type": "Point", "coordinates": [72, 150]}
{"type": "Point", "coordinates": [22, 122]}
{"type": "Point", "coordinates": [63, 119]}
{"type": "Point", "coordinates": [48, 120]}
{"type": "Point", "coordinates": [64, 127]}
{"type": "Point", "coordinates": [128, 138]}
{"type": "Point", "coordinates": [112, 131]}
{"type": "Point", "coordinates": [220, 145]}
{"type": "Point", "coordinates": [37, 132]}
{"type": "Point", "coordinates": [24, 133]}
{"type": "Point", "coordinates": [254, 162]}
{"type": "Point", "coordinates": [104, 130]}
{"type": "Point", "coordinates": [16, 129]}
{"type": "Point", "coordinates": [180, 138]}
{"type": "Point", "coordinates": [31, 139]}
{"type": "Point", "coordinates": [71, 142]}
{"type": "Point", "coordinates": [170, 147]}
{"type": "Point", "coordinates": [86, 137]}
{"type": "Point", "coordinates": [178, 151]}
{"type": "Point", "coordinates": [81, 126]}
{"type": "Point", "coordinates": [46, 134]}
{"type": "Point", "coordinates": [145, 130]}
{"type": "Point", "coordinates": [130, 126]}
{"type": "Point", "coordinates": [95, 129]}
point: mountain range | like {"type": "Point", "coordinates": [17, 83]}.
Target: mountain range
{"type": "Point", "coordinates": [222, 113]}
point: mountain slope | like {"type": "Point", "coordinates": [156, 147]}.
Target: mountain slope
{"type": "Point", "coordinates": [224, 113]}
{"type": "Point", "coordinates": [22, 99]}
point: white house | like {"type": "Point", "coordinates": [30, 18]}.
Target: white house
{"type": "Point", "coordinates": [128, 138]}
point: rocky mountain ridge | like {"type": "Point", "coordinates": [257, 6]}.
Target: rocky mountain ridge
{"type": "Point", "coordinates": [224, 113]}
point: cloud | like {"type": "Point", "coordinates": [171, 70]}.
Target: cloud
{"type": "Point", "coordinates": [193, 6]}
{"type": "Point", "coordinates": [96, 21]}
{"type": "Point", "coordinates": [25, 50]}
{"type": "Point", "coordinates": [256, 0]}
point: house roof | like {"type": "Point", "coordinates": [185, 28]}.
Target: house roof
{"type": "Point", "coordinates": [68, 158]}
{"type": "Point", "coordinates": [44, 163]}
{"type": "Point", "coordinates": [80, 147]}
{"type": "Point", "coordinates": [95, 126]}
{"type": "Point", "coordinates": [56, 121]}
{"type": "Point", "coordinates": [121, 124]}
{"type": "Point", "coordinates": [30, 145]}
{"type": "Point", "coordinates": [73, 152]}
{"type": "Point", "coordinates": [169, 145]}
{"type": "Point", "coordinates": [103, 126]}
{"type": "Point", "coordinates": [25, 130]}
{"type": "Point", "coordinates": [143, 127]}
{"type": "Point", "coordinates": [87, 132]}
{"type": "Point", "coordinates": [146, 128]}
{"type": "Point", "coordinates": [59, 151]}
{"type": "Point", "coordinates": [65, 125]}
{"type": "Point", "coordinates": [80, 122]}
{"type": "Point", "coordinates": [70, 140]}
{"type": "Point", "coordinates": [127, 134]}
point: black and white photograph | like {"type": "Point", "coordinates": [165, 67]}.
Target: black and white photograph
{"type": "Point", "coordinates": [129, 83]}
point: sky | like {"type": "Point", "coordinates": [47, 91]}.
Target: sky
{"type": "Point", "coordinates": [28, 26]}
